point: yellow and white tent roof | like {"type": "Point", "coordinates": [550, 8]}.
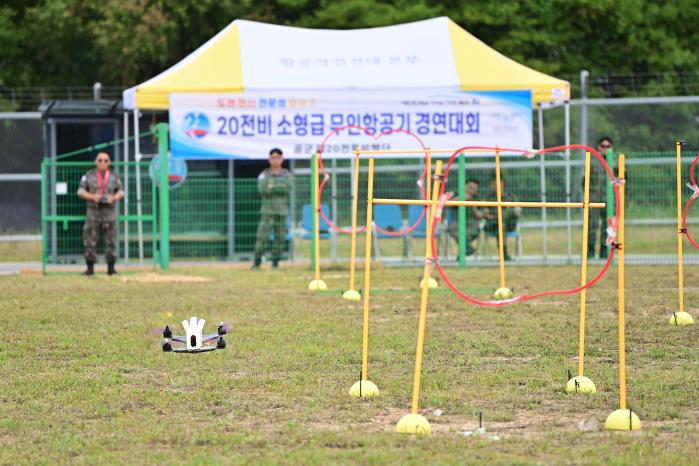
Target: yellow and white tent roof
{"type": "Point", "coordinates": [433, 53]}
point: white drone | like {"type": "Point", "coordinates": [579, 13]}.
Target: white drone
{"type": "Point", "coordinates": [194, 340]}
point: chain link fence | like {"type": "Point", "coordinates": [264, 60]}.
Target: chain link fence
{"type": "Point", "coordinates": [21, 150]}
{"type": "Point", "coordinates": [28, 98]}
{"type": "Point", "coordinates": [651, 215]}
{"type": "Point", "coordinates": [214, 215]}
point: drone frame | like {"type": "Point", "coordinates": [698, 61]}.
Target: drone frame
{"type": "Point", "coordinates": [169, 338]}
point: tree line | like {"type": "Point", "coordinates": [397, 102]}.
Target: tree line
{"type": "Point", "coordinates": [124, 42]}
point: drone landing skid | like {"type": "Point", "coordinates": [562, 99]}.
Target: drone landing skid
{"type": "Point", "coordinates": [203, 349]}
{"type": "Point", "coordinates": [167, 346]}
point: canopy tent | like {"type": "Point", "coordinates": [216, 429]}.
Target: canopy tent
{"type": "Point", "coordinates": [433, 53]}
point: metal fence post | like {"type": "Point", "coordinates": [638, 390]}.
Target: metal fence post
{"type": "Point", "coordinates": [609, 157]}
{"type": "Point", "coordinates": [44, 242]}
{"type": "Point", "coordinates": [462, 211]}
{"type": "Point", "coordinates": [139, 202]}
{"type": "Point", "coordinates": [231, 209]}
{"type": "Point", "coordinates": [126, 187]}
{"type": "Point", "coordinates": [162, 134]}
{"type": "Point", "coordinates": [52, 190]}
{"type": "Point", "coordinates": [584, 75]}
{"type": "Point", "coordinates": [542, 177]}
{"type": "Point", "coordinates": [569, 221]}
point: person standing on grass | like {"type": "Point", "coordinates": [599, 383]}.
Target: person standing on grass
{"type": "Point", "coordinates": [598, 193]}
{"type": "Point", "coordinates": [101, 188]}
{"type": "Point", "coordinates": [274, 186]}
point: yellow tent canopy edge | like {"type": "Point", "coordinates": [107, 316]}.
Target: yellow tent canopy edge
{"type": "Point", "coordinates": [216, 67]}
{"type": "Point", "coordinates": [217, 63]}
{"type": "Point", "coordinates": [481, 68]}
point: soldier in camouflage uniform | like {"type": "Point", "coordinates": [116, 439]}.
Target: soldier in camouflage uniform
{"type": "Point", "coordinates": [274, 185]}
{"type": "Point", "coordinates": [101, 188]}
{"type": "Point", "coordinates": [598, 193]}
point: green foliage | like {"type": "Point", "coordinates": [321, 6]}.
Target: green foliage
{"type": "Point", "coordinates": [123, 42]}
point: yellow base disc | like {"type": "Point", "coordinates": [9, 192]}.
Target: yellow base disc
{"type": "Point", "coordinates": [317, 285]}
{"type": "Point", "coordinates": [351, 295]}
{"type": "Point", "coordinates": [364, 389]}
{"type": "Point", "coordinates": [583, 385]}
{"type": "Point", "coordinates": [413, 424]}
{"type": "Point", "coordinates": [622, 419]}
{"type": "Point", "coordinates": [681, 318]}
{"type": "Point", "coordinates": [431, 283]}
{"type": "Point", "coordinates": [502, 293]}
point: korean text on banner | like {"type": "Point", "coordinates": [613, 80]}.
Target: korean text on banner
{"type": "Point", "coordinates": [247, 125]}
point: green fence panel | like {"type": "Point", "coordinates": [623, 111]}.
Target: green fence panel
{"type": "Point", "coordinates": [215, 218]}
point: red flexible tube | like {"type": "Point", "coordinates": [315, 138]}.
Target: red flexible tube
{"type": "Point", "coordinates": [521, 298]}
{"type": "Point", "coordinates": [367, 131]}
{"type": "Point", "coordinates": [689, 203]}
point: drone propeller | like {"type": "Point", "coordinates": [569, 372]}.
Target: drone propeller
{"type": "Point", "coordinates": [158, 331]}
{"type": "Point", "coordinates": [223, 328]}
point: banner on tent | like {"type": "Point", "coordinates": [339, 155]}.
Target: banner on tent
{"type": "Point", "coordinates": [247, 125]}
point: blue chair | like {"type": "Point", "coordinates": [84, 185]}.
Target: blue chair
{"type": "Point", "coordinates": [414, 212]}
{"type": "Point", "coordinates": [307, 222]}
{"type": "Point", "coordinates": [388, 217]}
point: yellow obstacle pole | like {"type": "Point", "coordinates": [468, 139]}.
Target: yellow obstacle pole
{"type": "Point", "coordinates": [681, 317]}
{"type": "Point", "coordinates": [316, 284]}
{"type": "Point", "coordinates": [415, 423]}
{"type": "Point", "coordinates": [352, 294]}
{"type": "Point", "coordinates": [622, 418]}
{"type": "Point", "coordinates": [431, 282]}
{"type": "Point", "coordinates": [421, 151]}
{"type": "Point", "coordinates": [503, 292]}
{"type": "Point", "coordinates": [582, 384]}
{"type": "Point", "coordinates": [526, 204]}
{"type": "Point", "coordinates": [363, 388]}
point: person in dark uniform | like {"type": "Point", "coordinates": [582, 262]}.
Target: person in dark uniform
{"type": "Point", "coordinates": [101, 188]}
{"type": "Point", "coordinates": [274, 186]}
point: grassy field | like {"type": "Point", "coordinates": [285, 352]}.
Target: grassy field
{"type": "Point", "coordinates": [84, 384]}
{"type": "Point", "coordinates": [642, 240]}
